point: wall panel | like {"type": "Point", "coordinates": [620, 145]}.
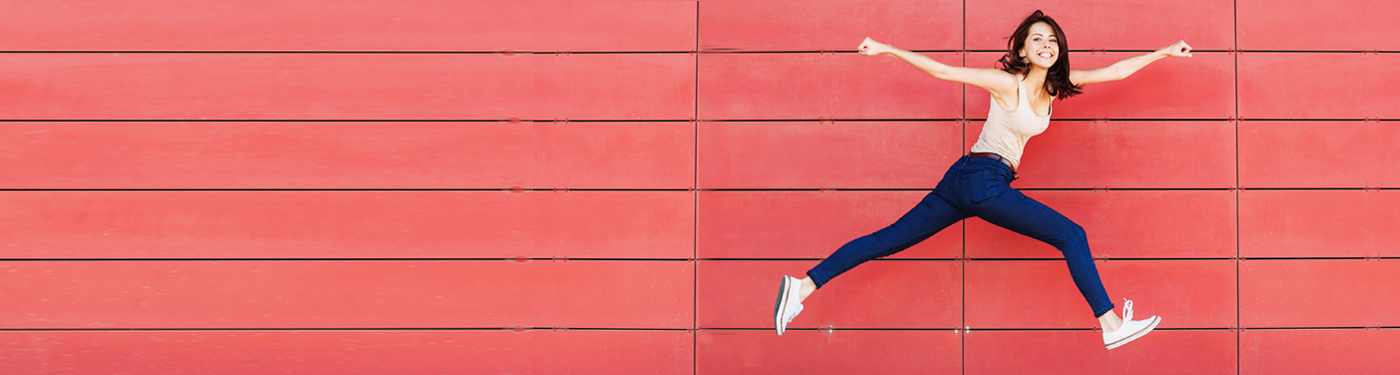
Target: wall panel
{"type": "Point", "coordinates": [1319, 293]}
{"type": "Point", "coordinates": [347, 352]}
{"type": "Point", "coordinates": [1308, 351]}
{"type": "Point", "coordinates": [1040, 293]}
{"type": "Point", "coordinates": [346, 224]}
{"type": "Point", "coordinates": [1294, 25]}
{"type": "Point", "coordinates": [1317, 86]}
{"type": "Point", "coordinates": [205, 155]}
{"type": "Point", "coordinates": [346, 294]}
{"type": "Point", "coordinates": [1319, 223]}
{"type": "Point", "coordinates": [810, 86]}
{"type": "Point", "coordinates": [1318, 154]}
{"type": "Point", "coordinates": [196, 86]}
{"type": "Point", "coordinates": [806, 224]}
{"type": "Point", "coordinates": [1082, 352]}
{"type": "Point", "coordinates": [880, 294]}
{"type": "Point", "coordinates": [826, 155]}
{"type": "Point", "coordinates": [827, 25]}
{"type": "Point", "coordinates": [826, 352]}
{"type": "Point", "coordinates": [1124, 224]}
{"type": "Point", "coordinates": [320, 25]}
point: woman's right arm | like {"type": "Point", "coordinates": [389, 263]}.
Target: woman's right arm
{"type": "Point", "coordinates": [995, 81]}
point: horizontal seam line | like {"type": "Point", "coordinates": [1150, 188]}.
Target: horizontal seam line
{"type": "Point", "coordinates": [507, 120]}
{"type": "Point", "coordinates": [528, 329]}
{"type": "Point", "coordinates": [488, 329]}
{"type": "Point", "coordinates": [720, 120]}
{"type": "Point", "coordinates": [560, 189]}
{"type": "Point", "coordinates": [486, 259]}
{"type": "Point", "coordinates": [818, 189]}
{"type": "Point", "coordinates": [504, 53]}
{"type": "Point", "coordinates": [563, 189]}
{"type": "Point", "coordinates": [702, 50]}
{"type": "Point", "coordinates": [677, 259]}
{"type": "Point", "coordinates": [567, 259]}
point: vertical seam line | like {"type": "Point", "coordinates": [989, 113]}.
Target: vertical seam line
{"type": "Point", "coordinates": [695, 207]}
{"type": "Point", "coordinates": [962, 139]}
{"type": "Point", "coordinates": [1239, 333]}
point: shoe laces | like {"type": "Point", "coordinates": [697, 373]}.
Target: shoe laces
{"type": "Point", "coordinates": [1127, 310]}
{"type": "Point", "coordinates": [793, 314]}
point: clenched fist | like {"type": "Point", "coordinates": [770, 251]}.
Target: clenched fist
{"type": "Point", "coordinates": [872, 48]}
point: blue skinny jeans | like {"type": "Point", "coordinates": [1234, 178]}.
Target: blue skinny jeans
{"type": "Point", "coordinates": [976, 187]}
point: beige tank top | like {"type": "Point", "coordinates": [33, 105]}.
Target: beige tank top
{"type": "Point", "coordinates": [1006, 132]}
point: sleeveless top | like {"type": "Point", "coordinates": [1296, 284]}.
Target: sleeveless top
{"type": "Point", "coordinates": [1006, 132]}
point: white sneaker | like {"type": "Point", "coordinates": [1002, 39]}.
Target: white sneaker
{"type": "Point", "coordinates": [789, 303]}
{"type": "Point", "coordinates": [1130, 330]}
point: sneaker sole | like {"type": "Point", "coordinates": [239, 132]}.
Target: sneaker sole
{"type": "Point", "coordinates": [1135, 335]}
{"type": "Point", "coordinates": [780, 307]}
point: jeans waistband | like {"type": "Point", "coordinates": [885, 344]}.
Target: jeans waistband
{"type": "Point", "coordinates": [997, 159]}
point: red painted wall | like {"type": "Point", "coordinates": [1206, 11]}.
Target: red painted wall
{"type": "Point", "coordinates": [550, 187]}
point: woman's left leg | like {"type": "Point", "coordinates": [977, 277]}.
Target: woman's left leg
{"type": "Point", "coordinates": [1015, 211]}
{"type": "Point", "coordinates": [988, 194]}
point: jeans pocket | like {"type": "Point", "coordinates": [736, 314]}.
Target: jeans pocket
{"type": "Point", "coordinates": [979, 187]}
{"type": "Point", "coordinates": [986, 185]}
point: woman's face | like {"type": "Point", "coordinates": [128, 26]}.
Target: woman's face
{"type": "Point", "coordinates": [1042, 46]}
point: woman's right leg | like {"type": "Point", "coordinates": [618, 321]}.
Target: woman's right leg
{"type": "Point", "coordinates": [930, 216]}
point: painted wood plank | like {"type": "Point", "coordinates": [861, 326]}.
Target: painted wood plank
{"type": "Point", "coordinates": [1294, 25]}
{"type": "Point", "coordinates": [1350, 90]}
{"type": "Point", "coordinates": [828, 352]}
{"type": "Point", "coordinates": [879, 294]}
{"type": "Point", "coordinates": [1319, 223]}
{"type": "Point", "coordinates": [1132, 24]}
{"type": "Point", "coordinates": [1316, 292]}
{"type": "Point", "coordinates": [1200, 87]}
{"type": "Point", "coordinates": [345, 224]}
{"type": "Point", "coordinates": [810, 86]}
{"type": "Point", "coordinates": [806, 224]}
{"type": "Point", "coordinates": [1126, 154]}
{"type": "Point", "coordinates": [320, 25]}
{"type": "Point", "coordinates": [1082, 352]}
{"type": "Point", "coordinates": [277, 86]}
{"type": "Point", "coordinates": [346, 294]}
{"type": "Point", "coordinates": [1318, 154]}
{"type": "Point", "coordinates": [347, 352]}
{"type": "Point", "coordinates": [274, 155]}
{"type": "Point", "coordinates": [827, 25]}
{"type": "Point", "coordinates": [826, 155]}
{"type": "Point", "coordinates": [1124, 224]}
{"type": "Point", "coordinates": [1031, 294]}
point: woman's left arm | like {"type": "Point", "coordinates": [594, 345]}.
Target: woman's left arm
{"type": "Point", "coordinates": [1127, 67]}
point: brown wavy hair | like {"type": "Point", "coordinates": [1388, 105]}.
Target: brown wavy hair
{"type": "Point", "coordinates": [1057, 79]}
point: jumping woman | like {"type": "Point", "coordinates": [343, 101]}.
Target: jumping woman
{"type": "Point", "coordinates": [1035, 71]}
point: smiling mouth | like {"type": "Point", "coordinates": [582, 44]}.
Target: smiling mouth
{"type": "Point", "coordinates": [1046, 55]}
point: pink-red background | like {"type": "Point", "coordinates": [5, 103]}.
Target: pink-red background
{"type": "Point", "coordinates": [550, 187]}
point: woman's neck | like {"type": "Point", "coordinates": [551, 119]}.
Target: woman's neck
{"type": "Point", "coordinates": [1035, 82]}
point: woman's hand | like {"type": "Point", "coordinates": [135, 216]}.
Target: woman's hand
{"type": "Point", "coordinates": [1180, 49]}
{"type": "Point", "coordinates": [872, 48]}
